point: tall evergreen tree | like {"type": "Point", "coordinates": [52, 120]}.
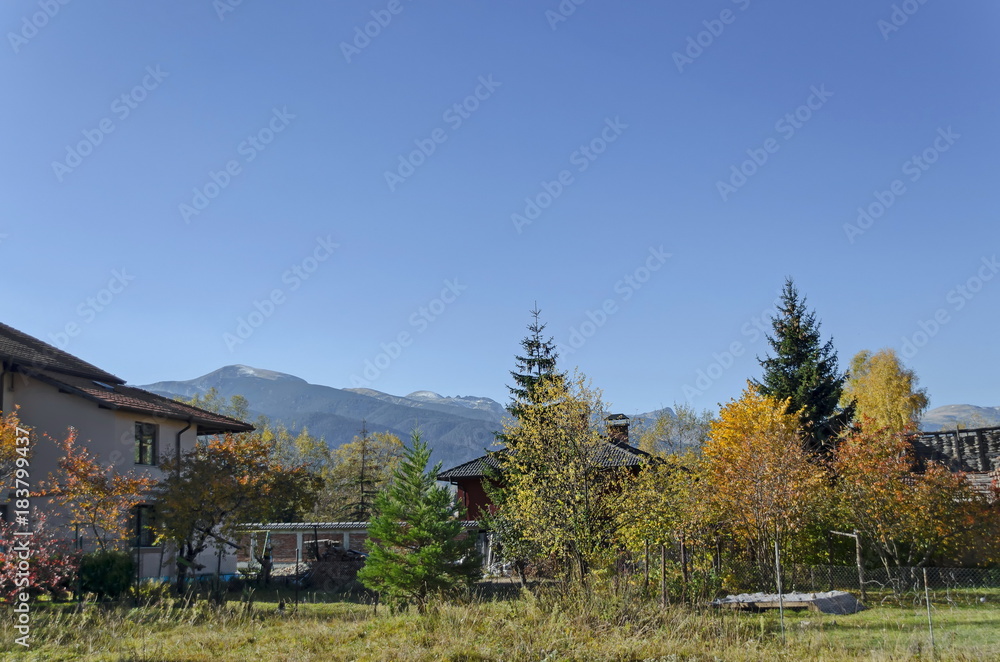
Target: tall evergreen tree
{"type": "Point", "coordinates": [418, 545]}
{"type": "Point", "coordinates": [537, 364]}
{"type": "Point", "coordinates": [804, 371]}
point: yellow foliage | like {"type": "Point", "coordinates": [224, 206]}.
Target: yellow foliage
{"type": "Point", "coordinates": [884, 391]}
{"type": "Point", "coordinates": [760, 481]}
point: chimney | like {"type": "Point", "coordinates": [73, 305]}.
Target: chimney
{"type": "Point", "coordinates": [617, 428]}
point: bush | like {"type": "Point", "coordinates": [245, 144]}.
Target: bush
{"type": "Point", "coordinates": [106, 574]}
{"type": "Point", "coordinates": [51, 565]}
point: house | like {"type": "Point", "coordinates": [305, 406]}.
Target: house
{"type": "Point", "coordinates": [122, 425]}
{"type": "Point", "coordinates": [469, 477]}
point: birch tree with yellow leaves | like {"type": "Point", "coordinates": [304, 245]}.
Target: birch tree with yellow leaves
{"type": "Point", "coordinates": [555, 490]}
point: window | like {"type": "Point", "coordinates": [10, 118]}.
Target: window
{"type": "Point", "coordinates": [144, 534]}
{"type": "Point", "coordinates": [145, 443]}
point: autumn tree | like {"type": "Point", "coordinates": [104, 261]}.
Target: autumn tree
{"type": "Point", "coordinates": [356, 473]}
{"type": "Point", "coordinates": [220, 484]}
{"type": "Point", "coordinates": [803, 372]}
{"type": "Point", "coordinates": [555, 489]}
{"type": "Point", "coordinates": [762, 483]}
{"type": "Point", "coordinates": [418, 545]}
{"type": "Point", "coordinates": [12, 445]}
{"type": "Point", "coordinates": [97, 498]}
{"type": "Point", "coordinates": [883, 390]}
{"type": "Point", "coordinates": [906, 517]}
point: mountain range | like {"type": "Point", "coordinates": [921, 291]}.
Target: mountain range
{"type": "Point", "coordinates": [457, 428]}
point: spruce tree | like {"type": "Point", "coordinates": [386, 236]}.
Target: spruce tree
{"type": "Point", "coordinates": [805, 371]}
{"type": "Point", "coordinates": [536, 365]}
{"type": "Point", "coordinates": [419, 547]}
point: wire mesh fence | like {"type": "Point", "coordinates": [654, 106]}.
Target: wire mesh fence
{"type": "Point", "coordinates": [706, 577]}
{"type": "Point", "coordinates": [880, 584]}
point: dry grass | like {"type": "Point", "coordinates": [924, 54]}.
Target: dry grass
{"type": "Point", "coordinates": [549, 626]}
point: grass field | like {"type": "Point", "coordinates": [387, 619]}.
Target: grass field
{"type": "Point", "coordinates": [512, 627]}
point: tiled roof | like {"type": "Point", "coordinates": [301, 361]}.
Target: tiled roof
{"type": "Point", "coordinates": [472, 469]}
{"type": "Point", "coordinates": [129, 398]}
{"type": "Point", "coordinates": [617, 454]}
{"type": "Point", "coordinates": [610, 455]}
{"type": "Point", "coordinates": [31, 354]}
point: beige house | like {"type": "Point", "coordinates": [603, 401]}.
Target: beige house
{"type": "Point", "coordinates": [124, 426]}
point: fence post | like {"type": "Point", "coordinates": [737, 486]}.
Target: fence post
{"type": "Point", "coordinates": [861, 564]}
{"type": "Point", "coordinates": [663, 575]}
{"type": "Point", "coordinates": [684, 568]}
{"type": "Point", "coordinates": [927, 598]}
{"type": "Point", "coordinates": [645, 585]}
{"type": "Point", "coordinates": [781, 599]}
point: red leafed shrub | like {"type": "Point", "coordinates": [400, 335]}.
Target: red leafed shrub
{"type": "Point", "coordinates": [37, 564]}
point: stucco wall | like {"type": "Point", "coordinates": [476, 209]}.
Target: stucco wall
{"type": "Point", "coordinates": [109, 434]}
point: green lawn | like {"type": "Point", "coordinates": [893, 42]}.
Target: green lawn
{"type": "Point", "coordinates": [517, 628]}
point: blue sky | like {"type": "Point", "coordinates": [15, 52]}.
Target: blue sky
{"type": "Point", "coordinates": [191, 185]}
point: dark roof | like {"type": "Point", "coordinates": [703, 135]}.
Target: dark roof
{"type": "Point", "coordinates": [610, 455]}
{"type": "Point", "coordinates": [970, 450]}
{"type": "Point", "coordinates": [129, 398]}
{"type": "Point", "coordinates": [30, 354]}
{"type": "Point", "coordinates": [472, 469]}
{"type": "Point", "coordinates": [618, 454]}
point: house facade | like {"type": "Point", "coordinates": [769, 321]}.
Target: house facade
{"type": "Point", "coordinates": [121, 425]}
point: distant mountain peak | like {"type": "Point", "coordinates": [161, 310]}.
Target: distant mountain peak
{"type": "Point", "coordinates": [425, 395]}
{"type": "Point", "coordinates": [239, 370]}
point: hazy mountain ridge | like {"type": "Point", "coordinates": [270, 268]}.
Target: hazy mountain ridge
{"type": "Point", "coordinates": [968, 416]}
{"type": "Point", "coordinates": [457, 429]}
